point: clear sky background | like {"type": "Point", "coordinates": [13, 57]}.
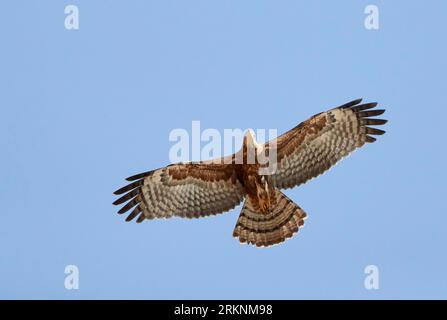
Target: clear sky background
{"type": "Point", "coordinates": [83, 109]}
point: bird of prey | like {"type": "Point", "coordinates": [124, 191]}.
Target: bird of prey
{"type": "Point", "coordinates": [268, 216]}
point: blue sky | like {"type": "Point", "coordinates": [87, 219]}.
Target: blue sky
{"type": "Point", "coordinates": [83, 109]}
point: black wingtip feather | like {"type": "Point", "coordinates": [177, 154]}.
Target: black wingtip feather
{"type": "Point", "coordinates": [374, 122]}
{"type": "Point", "coordinates": [130, 205]}
{"type": "Point", "coordinates": [140, 175]}
{"type": "Point", "coordinates": [129, 218]}
{"type": "Point", "coordinates": [374, 131]}
{"type": "Point", "coordinates": [129, 187]}
{"type": "Point", "coordinates": [351, 103]}
{"type": "Point", "coordinates": [116, 202]}
{"type": "Point", "coordinates": [364, 106]}
{"type": "Point", "coordinates": [371, 113]}
{"type": "Point", "coordinates": [134, 213]}
{"type": "Point", "coordinates": [127, 197]}
{"type": "Point", "coordinates": [141, 218]}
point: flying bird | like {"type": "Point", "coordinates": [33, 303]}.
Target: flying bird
{"type": "Point", "coordinates": [268, 216]}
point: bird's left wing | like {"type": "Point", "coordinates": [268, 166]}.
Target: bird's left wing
{"type": "Point", "coordinates": [188, 190]}
{"type": "Point", "coordinates": [315, 145]}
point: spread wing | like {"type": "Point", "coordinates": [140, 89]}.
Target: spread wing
{"type": "Point", "coordinates": [315, 145]}
{"type": "Point", "coordinates": [188, 190]}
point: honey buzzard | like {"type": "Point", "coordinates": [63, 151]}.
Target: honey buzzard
{"type": "Point", "coordinates": [268, 216]}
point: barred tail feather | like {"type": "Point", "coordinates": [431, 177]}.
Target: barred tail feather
{"type": "Point", "coordinates": [263, 230]}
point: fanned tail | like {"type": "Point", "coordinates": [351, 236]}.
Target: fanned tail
{"type": "Point", "coordinates": [263, 230]}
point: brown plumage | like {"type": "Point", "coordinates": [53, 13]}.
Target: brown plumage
{"type": "Point", "coordinates": [268, 217]}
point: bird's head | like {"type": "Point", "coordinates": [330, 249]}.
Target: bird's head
{"type": "Point", "coordinates": [249, 148]}
{"type": "Point", "coordinates": [250, 138]}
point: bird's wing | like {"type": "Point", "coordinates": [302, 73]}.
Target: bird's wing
{"type": "Point", "coordinates": [318, 143]}
{"type": "Point", "coordinates": [188, 190]}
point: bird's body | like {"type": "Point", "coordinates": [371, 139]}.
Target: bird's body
{"type": "Point", "coordinates": [258, 186]}
{"type": "Point", "coordinates": [268, 216]}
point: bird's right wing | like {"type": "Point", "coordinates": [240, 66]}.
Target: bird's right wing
{"type": "Point", "coordinates": [188, 190]}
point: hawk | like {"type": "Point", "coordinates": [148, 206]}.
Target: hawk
{"type": "Point", "coordinates": [268, 216]}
